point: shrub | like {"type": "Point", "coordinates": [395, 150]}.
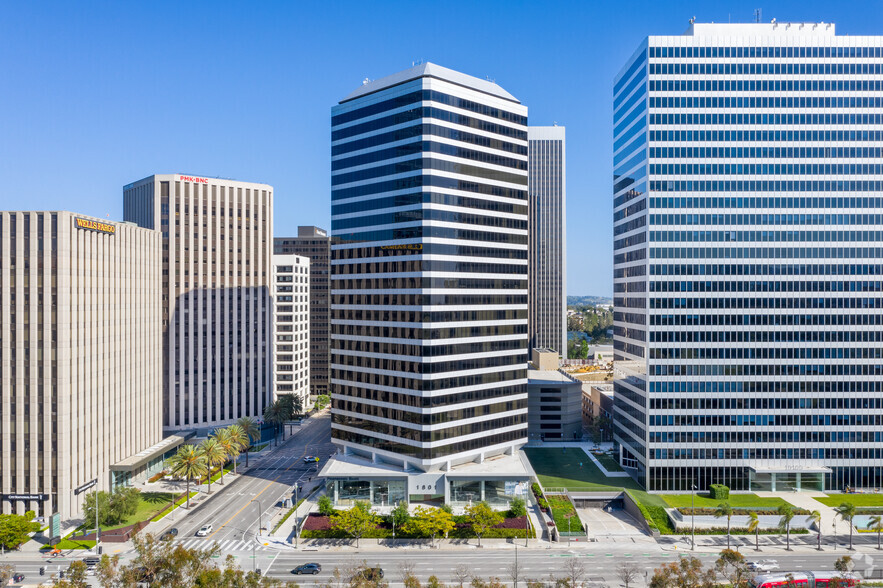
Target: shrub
{"type": "Point", "coordinates": [738, 511]}
{"type": "Point", "coordinates": [156, 477]}
{"type": "Point", "coordinates": [719, 492]}
{"type": "Point", "coordinates": [538, 494]}
{"type": "Point", "coordinates": [326, 507]}
{"type": "Point", "coordinates": [517, 508]}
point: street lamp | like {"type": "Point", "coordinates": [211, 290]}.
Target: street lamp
{"type": "Point", "coordinates": [692, 518]}
{"type": "Point", "coordinates": [254, 561]}
{"type": "Point", "coordinates": [295, 514]}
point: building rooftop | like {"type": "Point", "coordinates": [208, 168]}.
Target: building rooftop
{"type": "Point", "coordinates": [773, 28]}
{"type": "Point", "coordinates": [548, 376]}
{"type": "Point", "coordinates": [359, 467]}
{"type": "Point", "coordinates": [433, 71]}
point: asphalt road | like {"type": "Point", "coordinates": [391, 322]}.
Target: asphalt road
{"type": "Point", "coordinates": [599, 565]}
{"type": "Point", "coordinates": [234, 507]}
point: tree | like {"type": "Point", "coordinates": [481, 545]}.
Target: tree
{"type": "Point", "coordinates": [515, 570]}
{"type": "Point", "coordinates": [75, 577]}
{"type": "Point", "coordinates": [786, 512]}
{"type": "Point", "coordinates": [461, 573]}
{"type": "Point", "coordinates": [844, 564]}
{"type": "Point", "coordinates": [492, 582]}
{"type": "Point", "coordinates": [252, 433]}
{"type": "Point", "coordinates": [406, 572]}
{"type": "Point", "coordinates": [628, 572]}
{"type": "Point", "coordinates": [725, 510]}
{"type": "Point", "coordinates": [326, 507]}
{"type": "Point", "coordinates": [400, 515]}
{"type": "Point", "coordinates": [355, 522]}
{"type": "Point", "coordinates": [214, 455]}
{"type": "Point", "coordinates": [434, 582]}
{"type": "Point", "coordinates": [481, 518]}
{"type": "Point", "coordinates": [731, 565]}
{"type": "Point", "coordinates": [113, 507]}
{"type": "Point", "coordinates": [430, 521]}
{"type": "Point", "coordinates": [188, 463]}
{"type": "Point", "coordinates": [107, 571]}
{"type": "Point", "coordinates": [815, 517]}
{"type": "Point", "coordinates": [517, 508]}
{"type": "Point", "coordinates": [574, 571]}
{"type": "Point", "coordinates": [15, 529]}
{"type": "Point", "coordinates": [274, 415]}
{"type": "Point", "coordinates": [846, 511]}
{"type": "Point", "coordinates": [6, 573]}
{"type": "Point", "coordinates": [687, 572]}
{"type": "Point", "coordinates": [754, 527]}
{"type": "Point", "coordinates": [876, 523]}
{"type": "Point", "coordinates": [228, 444]}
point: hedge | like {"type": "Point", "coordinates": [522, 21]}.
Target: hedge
{"type": "Point", "coordinates": [704, 510]}
{"type": "Point", "coordinates": [719, 492]}
{"type": "Point", "coordinates": [739, 531]}
{"type": "Point", "coordinates": [538, 494]}
{"type": "Point", "coordinates": [319, 527]}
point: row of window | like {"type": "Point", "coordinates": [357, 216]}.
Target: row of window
{"type": "Point", "coordinates": [767, 336]}
{"type": "Point", "coordinates": [768, 420]}
{"type": "Point", "coordinates": [367, 440]}
{"type": "Point", "coordinates": [408, 299]}
{"type": "Point", "coordinates": [797, 371]}
{"type": "Point", "coordinates": [769, 394]}
{"type": "Point", "coordinates": [409, 249]}
{"type": "Point", "coordinates": [415, 283]}
{"type": "Point", "coordinates": [416, 316]}
{"type": "Point", "coordinates": [763, 320]}
{"type": "Point", "coordinates": [764, 353]}
{"type": "Point", "coordinates": [800, 103]}
{"type": "Point", "coordinates": [435, 418]}
{"type": "Point", "coordinates": [433, 334]}
{"type": "Point", "coordinates": [765, 52]}
{"type": "Point", "coordinates": [771, 202]}
{"type": "Point", "coordinates": [418, 130]}
{"type": "Point", "coordinates": [403, 167]}
{"type": "Point", "coordinates": [760, 252]}
{"type": "Point", "coordinates": [766, 186]}
{"type": "Point", "coordinates": [504, 378]}
{"type": "Point", "coordinates": [424, 180]}
{"type": "Point", "coordinates": [803, 136]}
{"type": "Point", "coordinates": [427, 95]}
{"type": "Point", "coordinates": [783, 86]}
{"type": "Point", "coordinates": [406, 351]}
{"type": "Point", "coordinates": [404, 432]}
{"type": "Point", "coordinates": [430, 112]}
{"type": "Point", "coordinates": [422, 214]}
{"type": "Point", "coordinates": [427, 198]}
{"type": "Point", "coordinates": [765, 68]}
{"type": "Point", "coordinates": [763, 236]}
{"type": "Point", "coordinates": [488, 397]}
{"type": "Point", "coordinates": [425, 147]}
{"type": "Point", "coordinates": [406, 366]}
{"type": "Point", "coordinates": [422, 232]}
{"type": "Point", "coordinates": [422, 265]}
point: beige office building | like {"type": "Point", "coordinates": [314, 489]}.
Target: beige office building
{"type": "Point", "coordinates": [291, 327]}
{"type": "Point", "coordinates": [217, 245]}
{"type": "Point", "coordinates": [80, 364]}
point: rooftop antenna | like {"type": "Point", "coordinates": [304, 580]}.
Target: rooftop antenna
{"type": "Point", "coordinates": [758, 14]}
{"type": "Point", "coordinates": [693, 20]}
{"type": "Point", "coordinates": [366, 81]}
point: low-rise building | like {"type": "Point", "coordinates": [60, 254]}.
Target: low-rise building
{"type": "Point", "coordinates": [291, 327]}
{"type": "Point", "coordinates": [553, 400]}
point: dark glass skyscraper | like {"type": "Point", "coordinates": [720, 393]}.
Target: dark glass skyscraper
{"type": "Point", "coordinates": [429, 269]}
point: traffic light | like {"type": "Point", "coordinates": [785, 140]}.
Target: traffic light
{"type": "Point", "coordinates": [42, 571]}
{"type": "Point", "coordinates": [61, 574]}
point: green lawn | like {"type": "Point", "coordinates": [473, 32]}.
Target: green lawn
{"type": "Point", "coordinates": [735, 500]}
{"type": "Point", "coordinates": [178, 503]}
{"type": "Point", "coordinates": [561, 507]}
{"type": "Point", "coordinates": [836, 500]}
{"type": "Point", "coordinates": [560, 468]}
{"type": "Point", "coordinates": [609, 462]}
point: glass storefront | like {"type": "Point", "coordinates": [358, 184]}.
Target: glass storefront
{"type": "Point", "coordinates": [346, 493]}
{"type": "Point", "coordinates": [785, 481]}
{"type": "Point", "coordinates": [495, 492]}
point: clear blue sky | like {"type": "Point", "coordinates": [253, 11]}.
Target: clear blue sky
{"type": "Point", "coordinates": [95, 95]}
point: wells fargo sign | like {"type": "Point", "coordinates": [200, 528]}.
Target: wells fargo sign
{"type": "Point", "coordinates": [92, 225]}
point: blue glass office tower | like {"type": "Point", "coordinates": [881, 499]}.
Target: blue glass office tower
{"type": "Point", "coordinates": [748, 193]}
{"type": "Point", "coordinates": [429, 271]}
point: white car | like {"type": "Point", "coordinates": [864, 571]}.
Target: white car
{"type": "Point", "coordinates": [766, 565]}
{"type": "Point", "coordinates": [205, 531]}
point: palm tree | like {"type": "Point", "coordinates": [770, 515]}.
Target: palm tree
{"type": "Point", "coordinates": [815, 517]}
{"type": "Point", "coordinates": [290, 406]}
{"type": "Point", "coordinates": [238, 442]}
{"type": "Point", "coordinates": [725, 510]}
{"type": "Point", "coordinates": [252, 433]}
{"type": "Point", "coordinates": [876, 523]}
{"type": "Point", "coordinates": [214, 455]}
{"type": "Point", "coordinates": [230, 447]}
{"type": "Point", "coordinates": [754, 526]}
{"type": "Point", "coordinates": [273, 414]}
{"type": "Point", "coordinates": [787, 513]}
{"type": "Point", "coordinates": [846, 511]}
{"type": "Point", "coordinates": [188, 462]}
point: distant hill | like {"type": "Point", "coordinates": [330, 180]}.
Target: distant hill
{"type": "Point", "coordinates": [584, 300]}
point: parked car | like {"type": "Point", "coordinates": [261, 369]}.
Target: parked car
{"type": "Point", "coordinates": [766, 565]}
{"type": "Point", "coordinates": [369, 574]}
{"type": "Point", "coordinates": [307, 568]}
{"type": "Point", "coordinates": [169, 535]}
{"type": "Point", "coordinates": [205, 531]}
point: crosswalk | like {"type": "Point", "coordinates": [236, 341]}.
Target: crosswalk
{"type": "Point", "coordinates": [226, 545]}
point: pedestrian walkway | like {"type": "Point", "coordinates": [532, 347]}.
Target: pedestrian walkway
{"type": "Point", "coordinates": [200, 544]}
{"type": "Point", "coordinates": [829, 521]}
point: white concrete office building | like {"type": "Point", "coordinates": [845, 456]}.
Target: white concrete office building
{"type": "Point", "coordinates": [217, 246]}
{"type": "Point", "coordinates": [80, 363]}
{"type": "Point", "coordinates": [291, 327]}
{"type": "Point", "coordinates": [748, 312]}
{"type": "Point", "coordinates": [429, 287]}
{"type": "Point", "coordinates": [547, 255]}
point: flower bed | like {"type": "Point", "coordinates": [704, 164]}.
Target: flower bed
{"type": "Point", "coordinates": [318, 526]}
{"type": "Point", "coordinates": [157, 477]}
